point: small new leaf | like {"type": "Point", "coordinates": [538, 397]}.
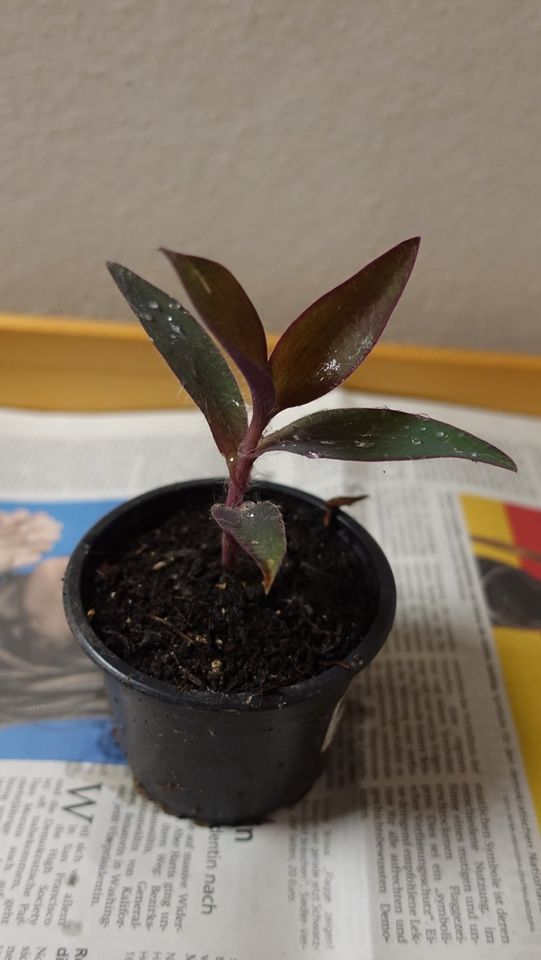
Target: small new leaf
{"type": "Point", "coordinates": [192, 356]}
{"type": "Point", "coordinates": [258, 528]}
{"type": "Point", "coordinates": [380, 434]}
{"type": "Point", "coordinates": [334, 504]}
{"type": "Point", "coordinates": [231, 317]}
{"type": "Point", "coordinates": [333, 336]}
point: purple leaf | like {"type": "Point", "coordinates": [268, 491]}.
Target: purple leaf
{"type": "Point", "coordinates": [259, 529]}
{"type": "Point", "coordinates": [380, 434]}
{"type": "Point", "coordinates": [230, 316]}
{"type": "Point", "coordinates": [334, 504]}
{"type": "Point", "coordinates": [192, 356]}
{"type": "Point", "coordinates": [334, 335]}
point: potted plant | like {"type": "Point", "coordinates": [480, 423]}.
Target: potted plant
{"type": "Point", "coordinates": [226, 690]}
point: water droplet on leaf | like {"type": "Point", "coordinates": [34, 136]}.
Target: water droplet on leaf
{"type": "Point", "coordinates": [331, 365]}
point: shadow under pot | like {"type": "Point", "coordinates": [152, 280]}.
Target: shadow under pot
{"type": "Point", "coordinates": [216, 756]}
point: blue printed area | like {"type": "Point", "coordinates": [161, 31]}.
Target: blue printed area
{"type": "Point", "coordinates": [87, 740]}
{"type": "Point", "coordinates": [78, 739]}
{"type": "Point", "coordinates": [76, 518]}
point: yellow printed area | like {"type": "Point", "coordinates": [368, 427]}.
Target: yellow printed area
{"type": "Point", "coordinates": [488, 520]}
{"type": "Point", "coordinates": [519, 652]}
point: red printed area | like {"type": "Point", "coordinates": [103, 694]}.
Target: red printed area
{"type": "Point", "coordinates": [526, 527]}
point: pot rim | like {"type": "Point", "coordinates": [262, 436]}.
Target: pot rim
{"type": "Point", "coordinates": [358, 658]}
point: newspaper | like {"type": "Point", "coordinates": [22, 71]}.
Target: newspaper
{"type": "Point", "coordinates": [419, 840]}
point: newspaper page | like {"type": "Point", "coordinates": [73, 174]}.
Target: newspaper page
{"type": "Point", "coordinates": [419, 840]}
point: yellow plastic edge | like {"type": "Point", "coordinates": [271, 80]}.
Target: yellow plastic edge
{"type": "Point", "coordinates": [54, 363]}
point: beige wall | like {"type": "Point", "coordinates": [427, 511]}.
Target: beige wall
{"type": "Point", "coordinates": [292, 140]}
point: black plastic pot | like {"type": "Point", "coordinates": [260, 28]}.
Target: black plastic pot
{"type": "Point", "coordinates": [222, 758]}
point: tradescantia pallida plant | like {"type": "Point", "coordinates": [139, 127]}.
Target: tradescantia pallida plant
{"type": "Point", "coordinates": [322, 347]}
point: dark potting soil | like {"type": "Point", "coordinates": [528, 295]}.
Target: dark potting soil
{"type": "Point", "coordinates": [162, 602]}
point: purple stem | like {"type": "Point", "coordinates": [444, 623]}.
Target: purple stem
{"type": "Point", "coordinates": [239, 479]}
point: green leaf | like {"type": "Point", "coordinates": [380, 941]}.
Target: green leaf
{"type": "Point", "coordinates": [259, 529]}
{"type": "Point", "coordinates": [192, 356]}
{"type": "Point", "coordinates": [380, 434]}
{"type": "Point", "coordinates": [231, 317]}
{"type": "Point", "coordinates": [333, 336]}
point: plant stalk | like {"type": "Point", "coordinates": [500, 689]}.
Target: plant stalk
{"type": "Point", "coordinates": [239, 479]}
